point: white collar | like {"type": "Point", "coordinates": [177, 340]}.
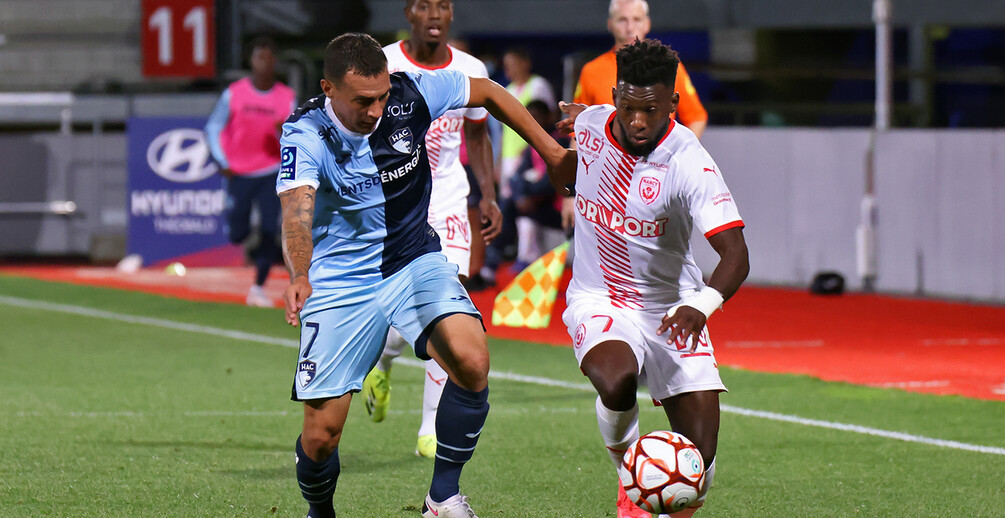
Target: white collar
{"type": "Point", "coordinates": [341, 127]}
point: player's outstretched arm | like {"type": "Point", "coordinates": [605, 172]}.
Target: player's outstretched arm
{"type": "Point", "coordinates": [687, 320]}
{"type": "Point", "coordinates": [503, 106]}
{"type": "Point", "coordinates": [298, 246]}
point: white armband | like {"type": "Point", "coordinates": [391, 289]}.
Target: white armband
{"type": "Point", "coordinates": [707, 301]}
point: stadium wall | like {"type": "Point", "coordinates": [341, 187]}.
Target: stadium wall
{"type": "Point", "coordinates": [585, 16]}
{"type": "Point", "coordinates": [941, 226]}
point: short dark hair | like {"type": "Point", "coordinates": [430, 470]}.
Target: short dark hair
{"type": "Point", "coordinates": [539, 105]}
{"type": "Point", "coordinates": [408, 3]}
{"type": "Point", "coordinates": [263, 42]}
{"type": "Point", "coordinates": [646, 63]}
{"type": "Point", "coordinates": [520, 52]}
{"type": "Point", "coordinates": [356, 52]}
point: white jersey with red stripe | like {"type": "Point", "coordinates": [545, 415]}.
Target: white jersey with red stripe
{"type": "Point", "coordinates": [634, 215]}
{"type": "Point", "coordinates": [443, 140]}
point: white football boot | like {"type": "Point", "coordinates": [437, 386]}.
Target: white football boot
{"type": "Point", "coordinates": [453, 507]}
{"type": "Point", "coordinates": [257, 298]}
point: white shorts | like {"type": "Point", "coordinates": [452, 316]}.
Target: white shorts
{"type": "Point", "coordinates": [454, 230]}
{"type": "Point", "coordinates": [670, 369]}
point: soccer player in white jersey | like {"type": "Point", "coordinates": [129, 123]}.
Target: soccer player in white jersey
{"type": "Point", "coordinates": [636, 299]}
{"type": "Point", "coordinates": [354, 185]}
{"type": "Point", "coordinates": [427, 49]}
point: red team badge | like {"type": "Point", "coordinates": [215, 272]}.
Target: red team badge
{"type": "Point", "coordinates": [580, 335]}
{"type": "Point", "coordinates": [649, 189]}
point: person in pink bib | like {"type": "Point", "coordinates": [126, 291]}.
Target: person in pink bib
{"type": "Point", "coordinates": [243, 135]}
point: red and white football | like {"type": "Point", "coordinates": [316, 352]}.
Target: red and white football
{"type": "Point", "coordinates": [662, 472]}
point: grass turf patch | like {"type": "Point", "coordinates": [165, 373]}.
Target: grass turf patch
{"type": "Point", "coordinates": [105, 418]}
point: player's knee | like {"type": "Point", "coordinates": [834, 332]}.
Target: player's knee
{"type": "Point", "coordinates": [617, 391]}
{"type": "Point", "coordinates": [473, 368]}
{"type": "Point", "coordinates": [320, 441]}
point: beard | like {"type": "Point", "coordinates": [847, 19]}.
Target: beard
{"type": "Point", "coordinates": [642, 150]}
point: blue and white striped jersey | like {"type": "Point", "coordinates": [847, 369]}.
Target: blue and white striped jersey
{"type": "Point", "coordinates": [372, 197]}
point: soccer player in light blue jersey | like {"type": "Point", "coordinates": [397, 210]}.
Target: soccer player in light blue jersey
{"type": "Point", "coordinates": [354, 187]}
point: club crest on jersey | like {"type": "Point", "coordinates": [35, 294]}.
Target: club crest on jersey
{"type": "Point", "coordinates": [649, 189]}
{"type": "Point", "coordinates": [306, 372]}
{"type": "Point", "coordinates": [401, 141]}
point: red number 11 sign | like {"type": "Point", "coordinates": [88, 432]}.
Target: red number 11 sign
{"type": "Point", "coordinates": [178, 38]}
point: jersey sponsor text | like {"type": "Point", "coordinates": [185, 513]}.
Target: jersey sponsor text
{"type": "Point", "coordinates": [618, 222]}
{"type": "Point", "coordinates": [390, 176]}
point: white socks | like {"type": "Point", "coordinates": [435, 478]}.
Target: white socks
{"type": "Point", "coordinates": [528, 247]}
{"type": "Point", "coordinates": [432, 389]}
{"type": "Point", "coordinates": [618, 429]}
{"type": "Point", "coordinates": [709, 475]}
{"type": "Point", "coordinates": [393, 347]}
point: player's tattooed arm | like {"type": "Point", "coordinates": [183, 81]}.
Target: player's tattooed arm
{"type": "Point", "coordinates": [298, 246]}
{"type": "Point", "coordinates": [298, 216]}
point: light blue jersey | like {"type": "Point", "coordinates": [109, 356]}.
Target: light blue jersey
{"type": "Point", "coordinates": [372, 191]}
{"type": "Point", "coordinates": [376, 260]}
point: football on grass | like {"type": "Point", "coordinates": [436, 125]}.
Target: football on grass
{"type": "Point", "coordinates": [662, 472]}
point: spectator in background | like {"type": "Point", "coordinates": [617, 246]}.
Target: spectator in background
{"type": "Point", "coordinates": [526, 87]}
{"type": "Point", "coordinates": [243, 134]}
{"type": "Point", "coordinates": [626, 21]}
{"type": "Point", "coordinates": [534, 198]}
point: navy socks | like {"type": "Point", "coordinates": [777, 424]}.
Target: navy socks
{"type": "Point", "coordinates": [317, 482]}
{"type": "Point", "coordinates": [459, 422]}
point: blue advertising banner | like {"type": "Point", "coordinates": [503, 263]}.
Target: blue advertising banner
{"type": "Point", "coordinates": [176, 198]}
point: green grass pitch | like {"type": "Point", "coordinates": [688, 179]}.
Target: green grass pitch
{"type": "Point", "coordinates": [104, 417]}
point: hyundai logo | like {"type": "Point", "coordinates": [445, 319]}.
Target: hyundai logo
{"type": "Point", "coordinates": [181, 155]}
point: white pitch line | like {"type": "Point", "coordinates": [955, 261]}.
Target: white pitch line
{"type": "Point", "coordinates": [509, 376]}
{"type": "Point", "coordinates": [962, 342]}
{"type": "Point", "coordinates": [188, 413]}
{"type": "Point", "coordinates": [276, 413]}
{"type": "Point", "coordinates": [148, 321]}
{"type": "Point", "coordinates": [912, 384]}
{"type": "Point", "coordinates": [900, 436]}
{"type": "Point", "coordinates": [752, 344]}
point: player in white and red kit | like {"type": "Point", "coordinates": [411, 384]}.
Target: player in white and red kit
{"type": "Point", "coordinates": [642, 183]}
{"type": "Point", "coordinates": [427, 49]}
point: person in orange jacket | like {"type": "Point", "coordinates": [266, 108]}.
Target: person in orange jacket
{"type": "Point", "coordinates": [626, 21]}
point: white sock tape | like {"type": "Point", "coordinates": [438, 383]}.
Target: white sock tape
{"type": "Point", "coordinates": [707, 301]}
